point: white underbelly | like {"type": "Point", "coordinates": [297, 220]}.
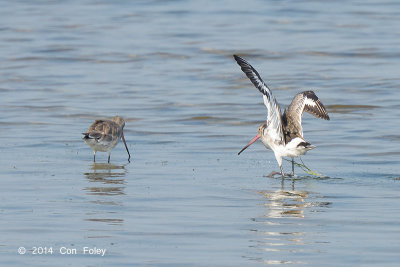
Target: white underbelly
{"type": "Point", "coordinates": [101, 146]}
{"type": "Point", "coordinates": [289, 150]}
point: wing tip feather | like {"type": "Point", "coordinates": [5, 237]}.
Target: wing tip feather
{"type": "Point", "coordinates": [319, 109]}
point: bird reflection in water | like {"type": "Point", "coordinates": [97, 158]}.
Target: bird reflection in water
{"type": "Point", "coordinates": [283, 203]}
{"type": "Point", "coordinates": [106, 183]}
{"type": "Point", "coordinates": [282, 230]}
{"type": "Point", "coordinates": [107, 179]}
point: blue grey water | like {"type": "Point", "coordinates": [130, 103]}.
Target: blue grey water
{"type": "Point", "coordinates": [187, 198]}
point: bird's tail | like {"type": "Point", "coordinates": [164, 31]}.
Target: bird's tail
{"type": "Point", "coordinates": [306, 145]}
{"type": "Point", "coordinates": [86, 136]}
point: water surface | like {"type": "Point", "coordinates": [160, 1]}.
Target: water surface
{"type": "Point", "coordinates": [187, 198]}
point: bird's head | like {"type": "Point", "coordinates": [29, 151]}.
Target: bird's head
{"type": "Point", "coordinates": [260, 132]}
{"type": "Point", "coordinates": [119, 120]}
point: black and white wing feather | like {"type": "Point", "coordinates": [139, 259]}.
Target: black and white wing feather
{"type": "Point", "coordinates": [274, 118]}
{"type": "Point", "coordinates": [305, 101]}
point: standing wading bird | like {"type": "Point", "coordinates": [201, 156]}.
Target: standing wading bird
{"type": "Point", "coordinates": [283, 134]}
{"type": "Point", "coordinates": [104, 135]}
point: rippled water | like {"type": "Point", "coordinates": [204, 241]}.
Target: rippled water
{"type": "Point", "coordinates": [187, 198]}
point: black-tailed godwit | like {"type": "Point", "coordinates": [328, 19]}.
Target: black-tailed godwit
{"type": "Point", "coordinates": [104, 135]}
{"type": "Point", "coordinates": [283, 134]}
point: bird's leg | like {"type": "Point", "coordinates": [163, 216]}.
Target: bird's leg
{"type": "Point", "coordinates": [109, 154]}
{"type": "Point", "coordinates": [292, 174]}
{"type": "Point", "coordinates": [279, 160]}
{"type": "Point", "coordinates": [94, 156]}
{"type": "Point", "coordinates": [282, 173]}
{"type": "Point", "coordinates": [283, 177]}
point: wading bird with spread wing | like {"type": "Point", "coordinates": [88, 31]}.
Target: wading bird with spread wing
{"type": "Point", "coordinates": [283, 133]}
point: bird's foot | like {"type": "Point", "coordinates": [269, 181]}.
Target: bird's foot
{"type": "Point", "coordinates": [272, 174]}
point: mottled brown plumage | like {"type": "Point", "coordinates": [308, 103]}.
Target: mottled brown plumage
{"type": "Point", "coordinates": [104, 135]}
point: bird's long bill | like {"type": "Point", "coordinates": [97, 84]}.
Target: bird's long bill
{"type": "Point", "coordinates": [251, 142]}
{"type": "Point", "coordinates": [123, 139]}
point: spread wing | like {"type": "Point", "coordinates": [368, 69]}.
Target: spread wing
{"type": "Point", "coordinates": [274, 118]}
{"type": "Point", "coordinates": [305, 101]}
